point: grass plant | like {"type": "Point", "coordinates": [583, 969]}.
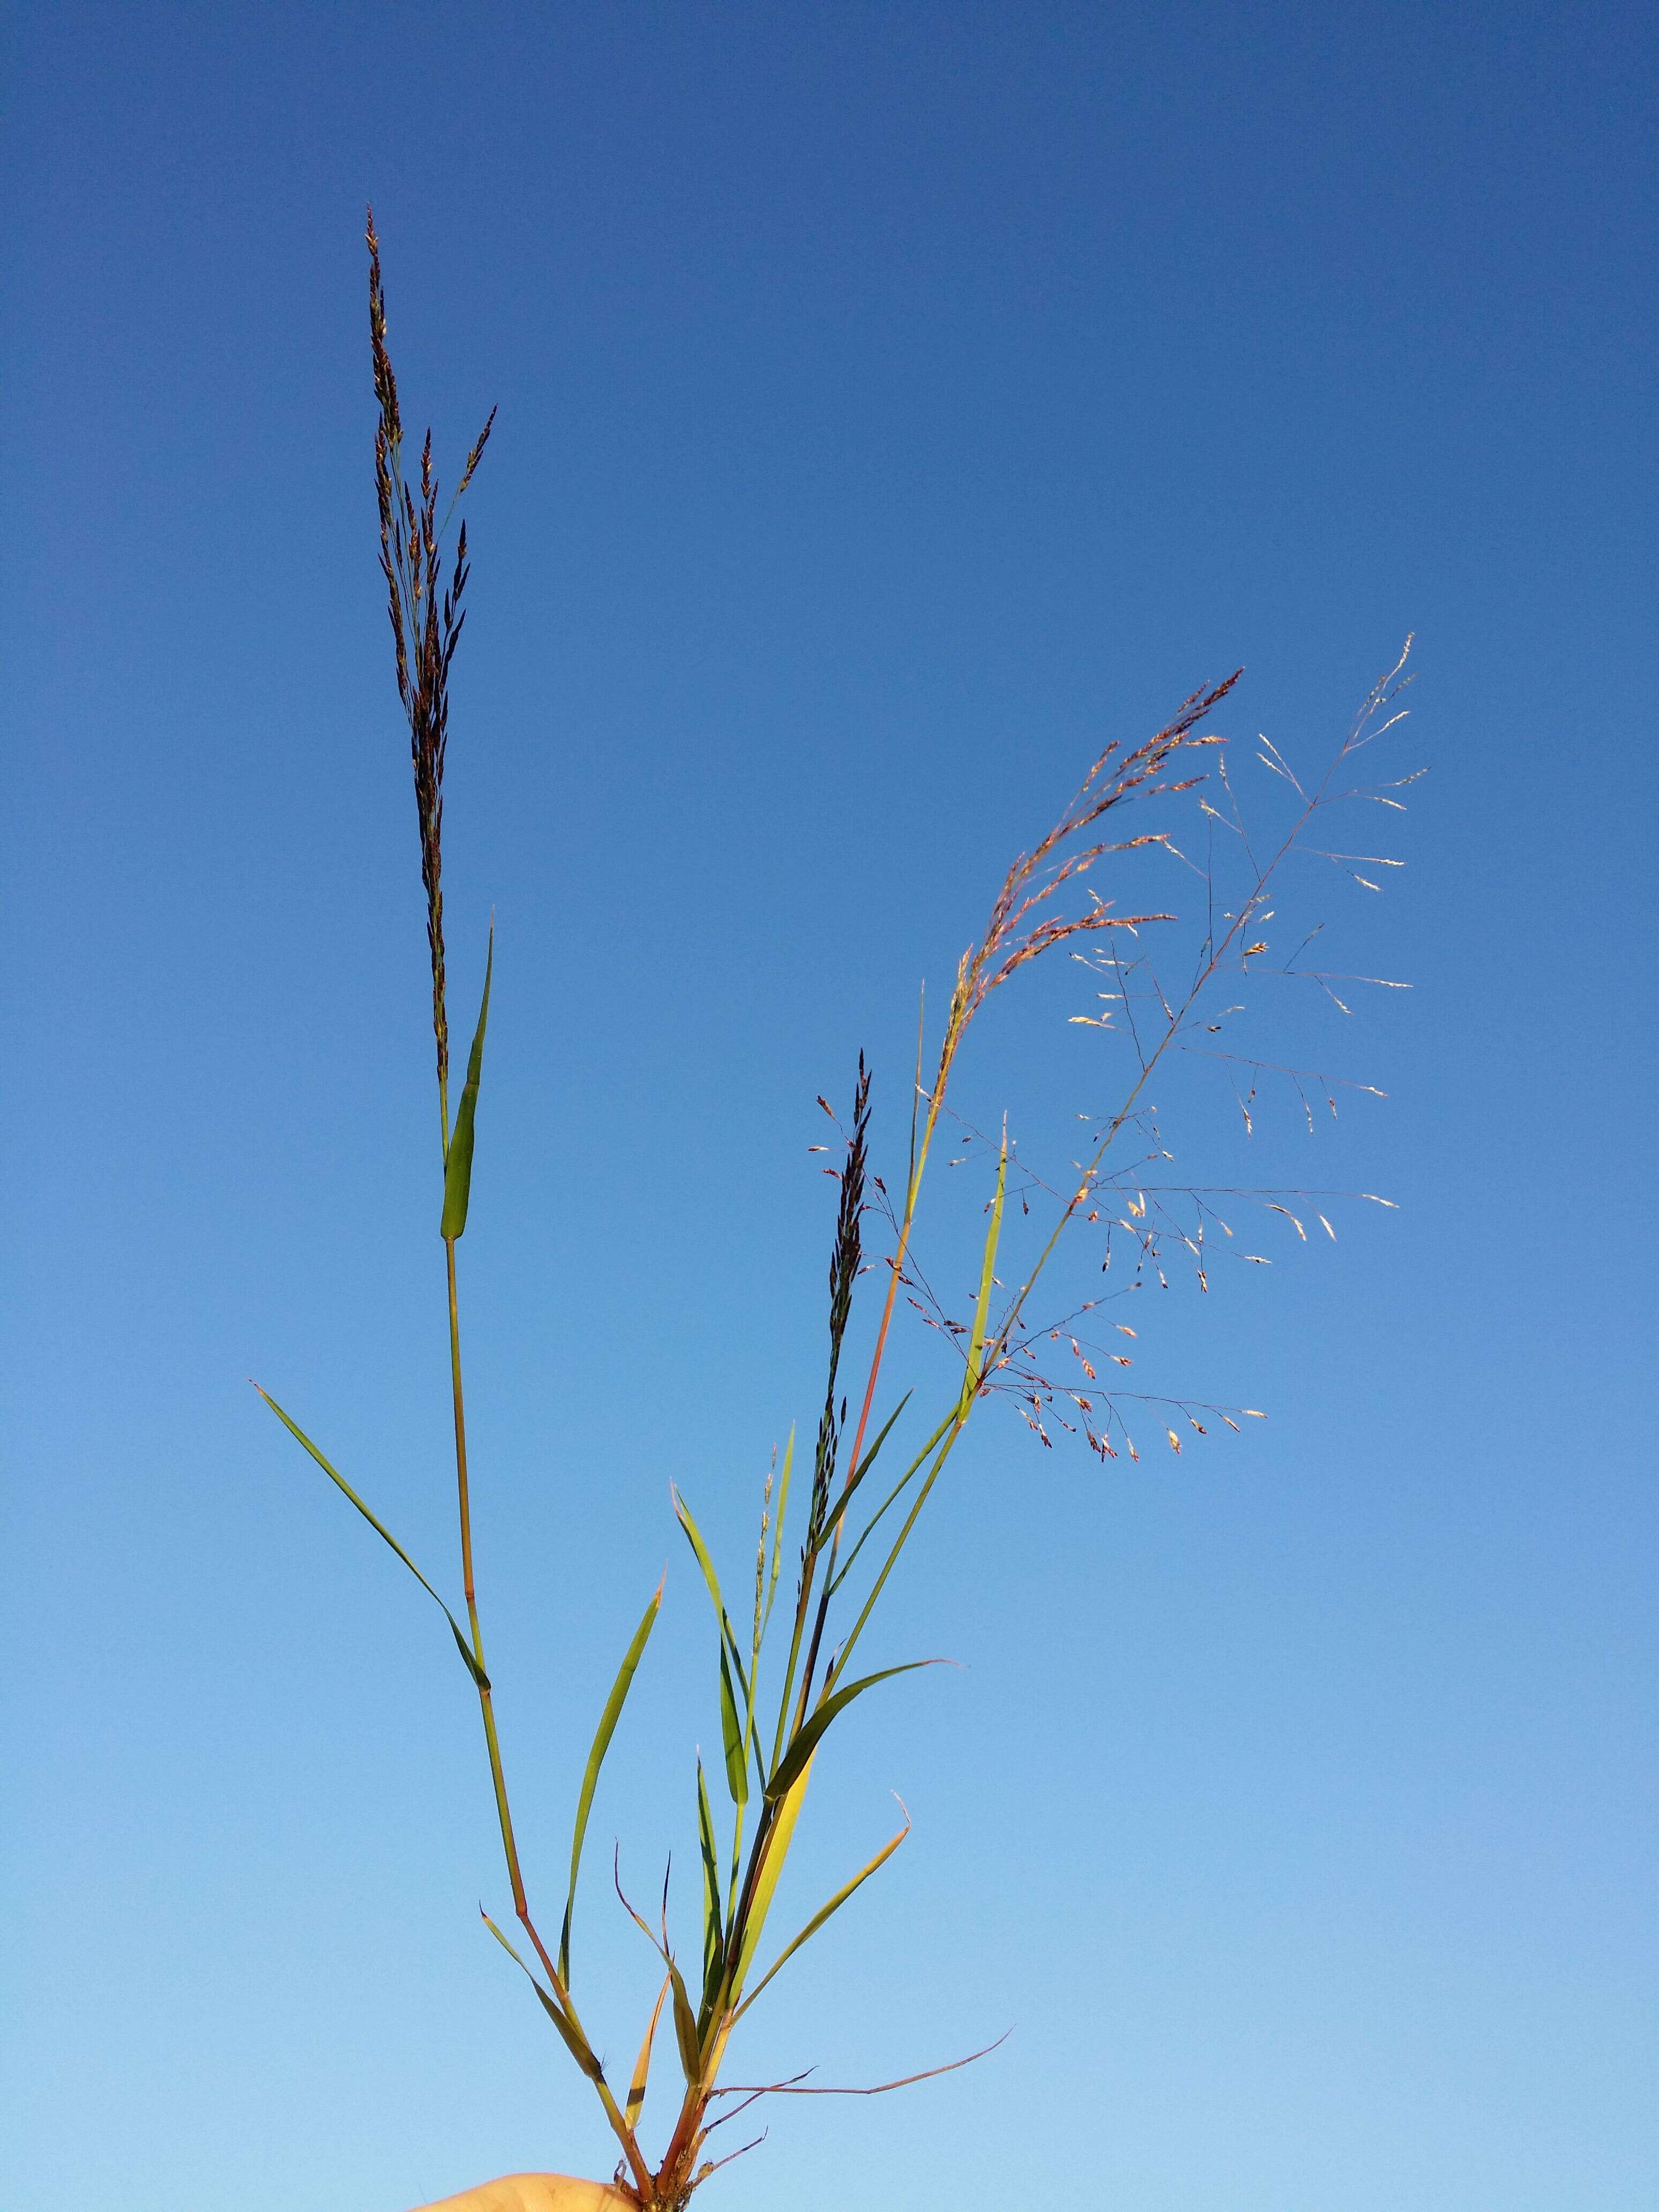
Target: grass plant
{"type": "Point", "coordinates": [831, 1540]}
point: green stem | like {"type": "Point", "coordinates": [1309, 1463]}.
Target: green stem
{"type": "Point", "coordinates": [613, 2111]}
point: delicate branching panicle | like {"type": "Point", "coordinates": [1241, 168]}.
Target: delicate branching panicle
{"type": "Point", "coordinates": [1018, 934]}
{"type": "Point", "coordinates": [425, 628]}
{"type": "Point", "coordinates": [1015, 933]}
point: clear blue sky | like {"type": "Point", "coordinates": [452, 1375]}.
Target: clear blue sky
{"type": "Point", "coordinates": [895, 401]}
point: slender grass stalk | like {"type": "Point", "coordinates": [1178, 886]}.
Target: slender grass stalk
{"type": "Point", "coordinates": [768, 1756]}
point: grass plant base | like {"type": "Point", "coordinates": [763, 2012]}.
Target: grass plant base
{"type": "Point", "coordinates": [535, 2192]}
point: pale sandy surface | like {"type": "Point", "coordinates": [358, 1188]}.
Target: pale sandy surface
{"type": "Point", "coordinates": [534, 2192]}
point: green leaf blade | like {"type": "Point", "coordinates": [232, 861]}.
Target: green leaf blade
{"type": "Point", "coordinates": [384, 1532]}
{"type": "Point", "coordinates": [457, 1164]}
{"type": "Point", "coordinates": [636, 2087]}
{"type": "Point", "coordinates": [713, 1938]}
{"type": "Point", "coordinates": [685, 2028]}
{"type": "Point", "coordinates": [777, 1527]}
{"type": "Point", "coordinates": [972, 1377]}
{"type": "Point", "coordinates": [602, 1736]}
{"type": "Point", "coordinates": [825, 1913]}
{"type": "Point", "coordinates": [728, 1636]}
{"type": "Point", "coordinates": [574, 2041]}
{"type": "Point", "coordinates": [767, 1876]}
{"type": "Point", "coordinates": [731, 1737]}
{"type": "Point", "coordinates": [809, 1734]}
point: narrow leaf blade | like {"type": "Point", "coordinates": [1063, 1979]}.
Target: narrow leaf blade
{"type": "Point", "coordinates": [575, 2042]}
{"type": "Point", "coordinates": [458, 1167]}
{"type": "Point", "coordinates": [685, 2027]}
{"type": "Point", "coordinates": [766, 1881]}
{"type": "Point", "coordinates": [777, 1527]}
{"type": "Point", "coordinates": [825, 1913]}
{"type": "Point", "coordinates": [384, 1532]}
{"type": "Point", "coordinates": [807, 1737]}
{"type": "Point", "coordinates": [882, 1435]}
{"type": "Point", "coordinates": [737, 1764]}
{"type": "Point", "coordinates": [606, 1730]}
{"type": "Point", "coordinates": [713, 1945]}
{"type": "Point", "coordinates": [694, 1537]}
{"type": "Point", "coordinates": [970, 1380]}
{"type": "Point", "coordinates": [636, 2103]}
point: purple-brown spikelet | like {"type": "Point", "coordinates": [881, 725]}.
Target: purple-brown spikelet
{"type": "Point", "coordinates": [846, 1258]}
{"type": "Point", "coordinates": [425, 628]}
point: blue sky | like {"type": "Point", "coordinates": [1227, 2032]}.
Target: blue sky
{"type": "Point", "coordinates": [895, 403]}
